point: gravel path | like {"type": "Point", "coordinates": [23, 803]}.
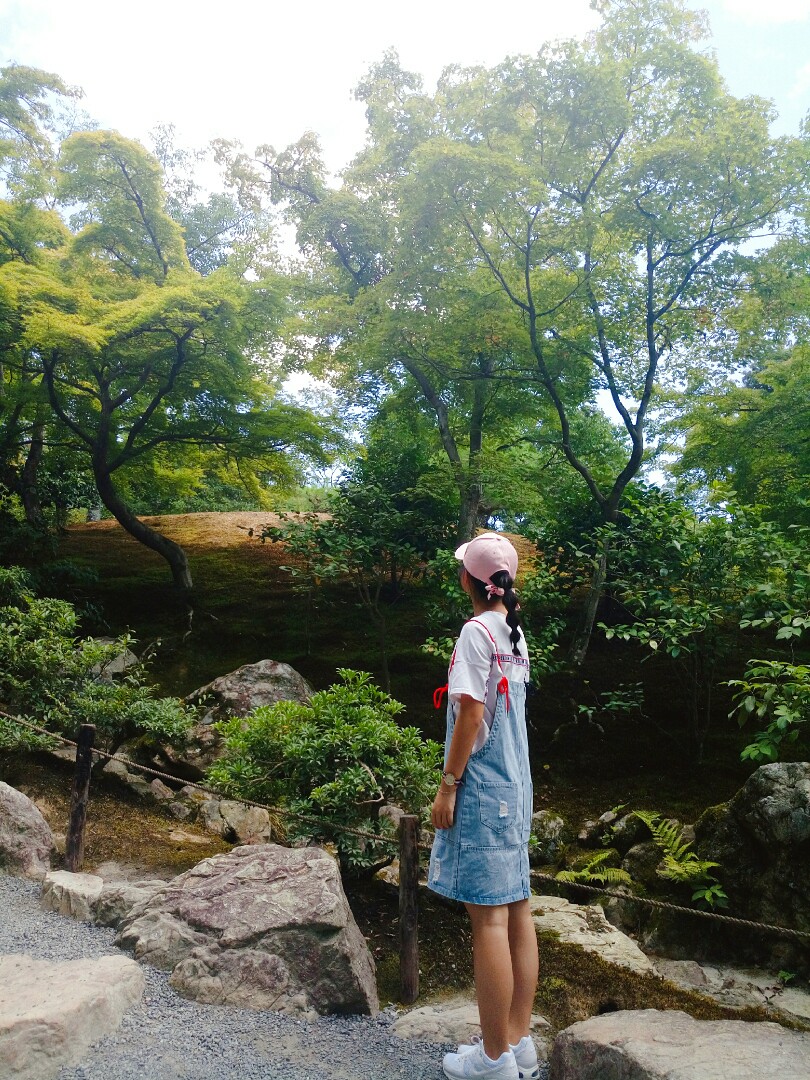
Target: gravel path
{"type": "Point", "coordinates": [167, 1037]}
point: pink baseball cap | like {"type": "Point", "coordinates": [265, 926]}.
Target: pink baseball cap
{"type": "Point", "coordinates": [488, 553]}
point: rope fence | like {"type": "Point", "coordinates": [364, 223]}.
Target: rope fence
{"type": "Point", "coordinates": [407, 842]}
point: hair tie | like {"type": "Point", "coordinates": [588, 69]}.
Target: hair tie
{"type": "Point", "coordinates": [493, 590]}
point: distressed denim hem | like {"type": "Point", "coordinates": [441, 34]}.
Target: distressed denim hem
{"type": "Point", "coordinates": [482, 901]}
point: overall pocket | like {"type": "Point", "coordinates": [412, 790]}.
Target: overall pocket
{"type": "Point", "coordinates": [498, 805]}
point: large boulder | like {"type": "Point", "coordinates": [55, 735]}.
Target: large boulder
{"type": "Point", "coordinates": [50, 1013]}
{"type": "Point", "coordinates": [69, 894]}
{"type": "Point", "coordinates": [234, 694]}
{"type": "Point", "coordinates": [587, 927]}
{"type": "Point", "coordinates": [262, 926]}
{"type": "Point", "coordinates": [26, 841]}
{"type": "Point", "coordinates": [651, 1045]}
{"type": "Point", "coordinates": [761, 839]}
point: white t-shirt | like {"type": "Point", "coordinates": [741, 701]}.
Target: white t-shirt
{"type": "Point", "coordinates": [473, 669]}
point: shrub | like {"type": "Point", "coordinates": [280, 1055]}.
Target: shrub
{"type": "Point", "coordinates": [779, 693]}
{"type": "Point", "coordinates": [54, 679]}
{"type": "Point", "coordinates": [337, 759]}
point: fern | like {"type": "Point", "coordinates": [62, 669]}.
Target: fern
{"type": "Point", "coordinates": [678, 863]}
{"type": "Point", "coordinates": [591, 870]}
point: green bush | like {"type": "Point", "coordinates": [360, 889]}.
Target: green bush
{"type": "Point", "coordinates": [335, 759]}
{"type": "Point", "coordinates": [54, 679]}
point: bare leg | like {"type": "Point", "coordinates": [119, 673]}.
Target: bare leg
{"type": "Point", "coordinates": [523, 951]}
{"type": "Point", "coordinates": [494, 981]}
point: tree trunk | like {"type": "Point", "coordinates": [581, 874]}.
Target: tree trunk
{"type": "Point", "coordinates": [28, 478]}
{"type": "Point", "coordinates": [151, 538]}
{"type": "Point", "coordinates": [468, 512]}
{"type": "Point", "coordinates": [472, 490]}
{"type": "Point", "coordinates": [582, 638]}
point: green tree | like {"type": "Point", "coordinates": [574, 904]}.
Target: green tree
{"type": "Point", "coordinates": [136, 350]}
{"type": "Point", "coordinates": [376, 315]}
{"type": "Point", "coordinates": [35, 107]}
{"type": "Point", "coordinates": [218, 230]}
{"type": "Point", "coordinates": [599, 184]}
{"type": "Point", "coordinates": [750, 434]}
{"type": "Point", "coordinates": [555, 227]}
{"type": "Point", "coordinates": [31, 103]}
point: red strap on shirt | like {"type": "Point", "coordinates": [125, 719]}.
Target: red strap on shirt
{"type": "Point", "coordinates": [438, 694]}
{"type": "Point", "coordinates": [503, 688]}
{"type": "Point", "coordinates": [503, 684]}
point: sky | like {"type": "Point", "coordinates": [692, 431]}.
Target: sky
{"type": "Point", "coordinates": [260, 71]}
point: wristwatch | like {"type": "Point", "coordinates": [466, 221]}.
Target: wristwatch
{"type": "Point", "coordinates": [449, 779]}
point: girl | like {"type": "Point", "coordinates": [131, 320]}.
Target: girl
{"type": "Point", "coordinates": [482, 814]}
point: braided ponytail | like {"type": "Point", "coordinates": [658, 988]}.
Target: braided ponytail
{"type": "Point", "coordinates": [502, 580]}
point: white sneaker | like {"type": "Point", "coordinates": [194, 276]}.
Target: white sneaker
{"type": "Point", "coordinates": [525, 1055]}
{"type": "Point", "coordinates": [475, 1065]}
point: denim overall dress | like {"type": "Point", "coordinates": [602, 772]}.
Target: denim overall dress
{"type": "Point", "coordinates": [484, 857]}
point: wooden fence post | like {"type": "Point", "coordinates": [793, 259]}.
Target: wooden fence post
{"type": "Point", "coordinates": [74, 845]}
{"type": "Point", "coordinates": [408, 908]}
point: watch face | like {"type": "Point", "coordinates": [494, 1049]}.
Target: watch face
{"type": "Point", "coordinates": [449, 779]}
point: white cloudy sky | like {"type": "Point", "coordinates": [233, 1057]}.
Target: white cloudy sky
{"type": "Point", "coordinates": [266, 71]}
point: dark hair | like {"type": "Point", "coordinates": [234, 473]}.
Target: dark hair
{"type": "Point", "coordinates": [502, 580]}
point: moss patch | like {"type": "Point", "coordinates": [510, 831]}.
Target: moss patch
{"type": "Point", "coordinates": [445, 939]}
{"type": "Point", "coordinates": [121, 827]}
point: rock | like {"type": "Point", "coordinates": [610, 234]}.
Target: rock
{"type": "Point", "coordinates": [619, 912]}
{"type": "Point", "coordinates": [761, 839]}
{"type": "Point", "coordinates": [651, 1045]}
{"type": "Point", "coordinates": [235, 822]}
{"type": "Point", "coordinates": [50, 1013]}
{"type": "Point", "coordinates": [26, 841]}
{"type": "Point", "coordinates": [119, 665]}
{"type": "Point", "coordinates": [160, 791]}
{"type": "Point", "coordinates": [393, 813]}
{"type": "Point", "coordinates": [642, 861]}
{"type": "Point", "coordinates": [234, 694]}
{"type": "Point", "coordinates": [241, 691]}
{"type": "Point", "coordinates": [183, 836]}
{"type": "Point", "coordinates": [590, 834]}
{"type": "Point", "coordinates": [389, 874]}
{"type": "Point", "coordinates": [116, 768]}
{"type": "Point", "coordinates": [774, 804]}
{"type": "Point", "coordinates": [140, 787]}
{"type": "Point", "coordinates": [793, 1001]}
{"type": "Point", "coordinates": [456, 1021]}
{"type": "Point", "coordinates": [549, 837]}
{"type": "Point", "coordinates": [263, 926]}
{"type": "Point", "coordinates": [71, 894]}
{"type": "Point", "coordinates": [587, 927]}
{"type": "Point", "coordinates": [90, 898]}
{"type": "Point", "coordinates": [627, 832]}
{"type": "Point", "coordinates": [736, 987]}
{"type": "Point", "coordinates": [118, 899]}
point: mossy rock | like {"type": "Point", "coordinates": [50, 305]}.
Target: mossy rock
{"type": "Point", "coordinates": [576, 985]}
